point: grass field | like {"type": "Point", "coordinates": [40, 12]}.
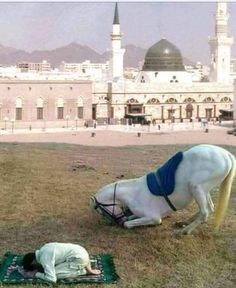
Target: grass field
{"type": "Point", "coordinates": [45, 190]}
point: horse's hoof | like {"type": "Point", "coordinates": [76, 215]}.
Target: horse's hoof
{"type": "Point", "coordinates": [180, 232]}
{"type": "Point", "coordinates": [177, 232]}
{"type": "Point", "coordinates": [180, 224]}
{"type": "Point", "coordinates": [127, 225]}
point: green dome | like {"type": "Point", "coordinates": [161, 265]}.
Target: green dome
{"type": "Point", "coordinates": [163, 56]}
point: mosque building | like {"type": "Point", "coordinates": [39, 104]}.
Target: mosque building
{"type": "Point", "coordinates": [163, 91]}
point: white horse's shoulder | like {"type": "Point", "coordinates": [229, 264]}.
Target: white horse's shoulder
{"type": "Point", "coordinates": [205, 152]}
{"type": "Point", "coordinates": [206, 149]}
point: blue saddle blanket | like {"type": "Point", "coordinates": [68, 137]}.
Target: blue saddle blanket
{"type": "Point", "coordinates": [162, 181]}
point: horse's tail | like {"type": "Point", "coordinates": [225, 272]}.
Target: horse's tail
{"type": "Point", "coordinates": [224, 194]}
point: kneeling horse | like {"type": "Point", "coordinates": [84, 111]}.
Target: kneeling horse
{"type": "Point", "coordinates": [189, 175]}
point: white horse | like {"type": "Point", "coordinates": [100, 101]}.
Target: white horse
{"type": "Point", "coordinates": [203, 167]}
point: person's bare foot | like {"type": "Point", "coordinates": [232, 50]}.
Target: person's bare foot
{"type": "Point", "coordinates": [95, 271]}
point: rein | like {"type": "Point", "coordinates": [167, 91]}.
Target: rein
{"type": "Point", "coordinates": [106, 212]}
{"type": "Point", "coordinates": [164, 194]}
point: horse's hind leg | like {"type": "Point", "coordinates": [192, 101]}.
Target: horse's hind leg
{"type": "Point", "coordinates": [210, 203]}
{"type": "Point", "coordinates": [206, 207]}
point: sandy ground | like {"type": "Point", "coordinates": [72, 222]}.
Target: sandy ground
{"type": "Point", "coordinates": [106, 137]}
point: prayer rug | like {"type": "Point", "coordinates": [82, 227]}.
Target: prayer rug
{"type": "Point", "coordinates": [12, 263]}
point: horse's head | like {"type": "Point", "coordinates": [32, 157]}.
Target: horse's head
{"type": "Point", "coordinates": [105, 202]}
{"type": "Point", "coordinates": [95, 205]}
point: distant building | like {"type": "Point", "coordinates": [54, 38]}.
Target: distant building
{"type": "Point", "coordinates": [130, 72]}
{"type": "Point", "coordinates": [9, 72]}
{"type": "Point", "coordinates": [94, 71]}
{"type": "Point", "coordinates": [34, 67]}
{"type": "Point", "coordinates": [198, 72]}
{"type": "Point", "coordinates": [39, 103]}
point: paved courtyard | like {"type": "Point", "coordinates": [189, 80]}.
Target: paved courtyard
{"type": "Point", "coordinates": [127, 135]}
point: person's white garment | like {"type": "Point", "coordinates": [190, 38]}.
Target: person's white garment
{"type": "Point", "coordinates": [61, 261]}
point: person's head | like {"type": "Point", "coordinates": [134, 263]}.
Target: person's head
{"type": "Point", "coordinates": [29, 262]}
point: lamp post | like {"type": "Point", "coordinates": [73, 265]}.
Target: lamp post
{"type": "Point", "coordinates": [172, 117]}
{"type": "Point", "coordinates": [12, 125]}
{"type": "Point", "coordinates": [45, 116]}
{"type": "Point", "coordinates": [67, 120]}
{"type": "Point", "coordinates": [76, 122]}
{"type": "Point", "coordinates": [6, 119]}
{"type": "Point", "coordinates": [192, 118]}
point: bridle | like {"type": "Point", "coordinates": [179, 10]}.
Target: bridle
{"type": "Point", "coordinates": [119, 218]}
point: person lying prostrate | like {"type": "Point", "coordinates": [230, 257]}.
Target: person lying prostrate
{"type": "Point", "coordinates": [55, 261]}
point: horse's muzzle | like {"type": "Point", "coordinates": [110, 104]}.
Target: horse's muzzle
{"type": "Point", "coordinates": [104, 211]}
{"type": "Point", "coordinates": [92, 202]}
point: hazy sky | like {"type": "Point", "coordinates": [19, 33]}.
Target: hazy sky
{"type": "Point", "coordinates": [40, 26]}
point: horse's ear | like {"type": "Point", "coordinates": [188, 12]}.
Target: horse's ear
{"type": "Point", "coordinates": [92, 202]}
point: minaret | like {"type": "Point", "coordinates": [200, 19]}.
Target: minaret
{"type": "Point", "coordinates": [117, 52]}
{"type": "Point", "coordinates": [220, 46]}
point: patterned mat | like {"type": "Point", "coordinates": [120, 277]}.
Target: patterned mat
{"type": "Point", "coordinates": [11, 263]}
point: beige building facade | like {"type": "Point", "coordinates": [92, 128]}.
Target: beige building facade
{"type": "Point", "coordinates": [161, 103]}
{"type": "Point", "coordinates": [45, 103]}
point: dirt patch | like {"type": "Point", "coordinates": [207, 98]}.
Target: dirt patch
{"type": "Point", "coordinates": [78, 166]}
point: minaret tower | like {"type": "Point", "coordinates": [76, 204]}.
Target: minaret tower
{"type": "Point", "coordinates": [220, 46]}
{"type": "Point", "coordinates": [117, 52]}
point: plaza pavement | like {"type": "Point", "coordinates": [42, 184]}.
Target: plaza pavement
{"type": "Point", "coordinates": [177, 133]}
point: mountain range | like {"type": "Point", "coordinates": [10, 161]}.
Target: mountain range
{"type": "Point", "coordinates": [72, 53]}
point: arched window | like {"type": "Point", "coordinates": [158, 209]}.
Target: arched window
{"type": "Point", "coordinates": [171, 100]}
{"type": "Point", "coordinates": [80, 108]}
{"type": "Point", "coordinates": [153, 101]}
{"type": "Point", "coordinates": [132, 101]}
{"type": "Point", "coordinates": [60, 108]}
{"type": "Point", "coordinates": [208, 99]}
{"type": "Point", "coordinates": [18, 102]}
{"type": "Point", "coordinates": [189, 100]}
{"type": "Point", "coordinates": [225, 99]}
{"type": "Point", "coordinates": [18, 108]}
{"type": "Point", "coordinates": [189, 111]}
{"type": "Point", "coordinates": [40, 102]}
{"type": "Point", "coordinates": [60, 102]}
{"type": "Point", "coordinates": [40, 108]}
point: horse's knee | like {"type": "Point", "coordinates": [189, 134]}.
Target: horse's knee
{"type": "Point", "coordinates": [205, 215]}
{"type": "Point", "coordinates": [157, 221]}
{"type": "Point", "coordinates": [211, 206]}
{"type": "Point", "coordinates": [127, 225]}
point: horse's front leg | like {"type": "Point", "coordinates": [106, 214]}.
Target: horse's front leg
{"type": "Point", "coordinates": [182, 224]}
{"type": "Point", "coordinates": [143, 221]}
{"type": "Point", "coordinates": [190, 227]}
{"type": "Point", "coordinates": [206, 207]}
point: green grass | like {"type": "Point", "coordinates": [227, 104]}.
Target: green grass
{"type": "Point", "coordinates": [45, 190]}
